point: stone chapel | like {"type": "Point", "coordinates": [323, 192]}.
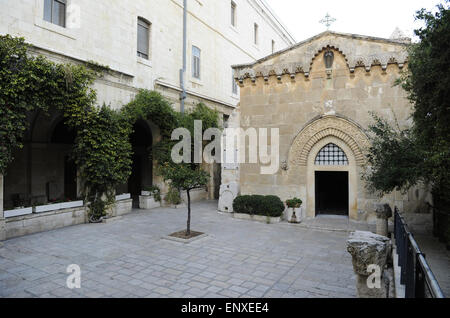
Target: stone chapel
{"type": "Point", "coordinates": [320, 93]}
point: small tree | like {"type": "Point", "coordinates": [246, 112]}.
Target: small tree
{"type": "Point", "coordinates": [394, 159]}
{"type": "Point", "coordinates": [185, 177]}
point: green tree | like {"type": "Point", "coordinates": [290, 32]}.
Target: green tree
{"type": "Point", "coordinates": [400, 159]}
{"type": "Point", "coordinates": [427, 82]}
{"type": "Point", "coordinates": [185, 177]}
{"type": "Point", "coordinates": [394, 159]}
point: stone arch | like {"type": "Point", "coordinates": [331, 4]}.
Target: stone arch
{"type": "Point", "coordinates": [323, 48]}
{"type": "Point", "coordinates": [343, 129]}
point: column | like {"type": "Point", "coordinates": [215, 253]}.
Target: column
{"type": "Point", "coordinates": [384, 212]}
{"type": "Point", "coordinates": [369, 255]}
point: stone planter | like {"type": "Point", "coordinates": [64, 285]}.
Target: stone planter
{"type": "Point", "coordinates": [298, 212]}
{"type": "Point", "coordinates": [257, 218]}
{"type": "Point", "coordinates": [18, 212]}
{"type": "Point", "coordinates": [71, 205]}
{"type": "Point", "coordinates": [148, 202]}
{"type": "Point", "coordinates": [125, 196]}
{"type": "Point", "coordinates": [47, 208]}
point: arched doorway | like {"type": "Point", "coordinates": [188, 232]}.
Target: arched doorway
{"type": "Point", "coordinates": [42, 171]}
{"type": "Point", "coordinates": [64, 138]}
{"type": "Point", "coordinates": [142, 168]}
{"type": "Point", "coordinates": [331, 187]}
{"type": "Point", "coordinates": [332, 182]}
{"type": "Point", "coordinates": [325, 160]}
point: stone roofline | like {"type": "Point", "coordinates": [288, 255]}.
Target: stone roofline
{"type": "Point", "coordinates": [257, 69]}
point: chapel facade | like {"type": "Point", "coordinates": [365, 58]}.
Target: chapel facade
{"type": "Point", "coordinates": [320, 94]}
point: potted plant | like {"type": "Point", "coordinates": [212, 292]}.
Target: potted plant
{"type": "Point", "coordinates": [294, 204]}
{"type": "Point", "coordinates": [150, 198]}
{"type": "Point", "coordinates": [153, 191]}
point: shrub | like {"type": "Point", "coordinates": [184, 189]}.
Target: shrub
{"type": "Point", "coordinates": [294, 203]}
{"type": "Point", "coordinates": [270, 205]}
{"type": "Point", "coordinates": [155, 191]}
{"type": "Point", "coordinates": [173, 196]}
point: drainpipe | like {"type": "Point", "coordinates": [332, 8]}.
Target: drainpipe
{"type": "Point", "coordinates": [183, 71]}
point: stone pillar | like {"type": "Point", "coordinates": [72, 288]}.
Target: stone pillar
{"type": "Point", "coordinates": [384, 212]}
{"type": "Point", "coordinates": [369, 254]}
{"type": "Point", "coordinates": [2, 218]}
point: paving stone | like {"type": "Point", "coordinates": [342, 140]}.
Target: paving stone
{"type": "Point", "coordinates": [128, 259]}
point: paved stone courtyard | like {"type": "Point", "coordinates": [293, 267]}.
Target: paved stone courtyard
{"type": "Point", "coordinates": [129, 258]}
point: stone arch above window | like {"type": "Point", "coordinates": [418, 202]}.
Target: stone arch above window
{"type": "Point", "coordinates": [343, 129]}
{"type": "Point", "coordinates": [331, 155]}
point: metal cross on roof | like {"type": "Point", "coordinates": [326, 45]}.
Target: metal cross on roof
{"type": "Point", "coordinates": [327, 21]}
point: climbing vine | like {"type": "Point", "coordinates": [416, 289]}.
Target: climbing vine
{"type": "Point", "coordinates": [27, 83]}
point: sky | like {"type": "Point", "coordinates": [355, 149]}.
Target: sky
{"type": "Point", "coordinates": [373, 18]}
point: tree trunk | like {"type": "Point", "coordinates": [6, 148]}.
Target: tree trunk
{"type": "Point", "coordinates": [188, 229]}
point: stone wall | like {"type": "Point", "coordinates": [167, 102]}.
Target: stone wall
{"type": "Point", "coordinates": [36, 223]}
{"type": "Point", "coordinates": [107, 34]}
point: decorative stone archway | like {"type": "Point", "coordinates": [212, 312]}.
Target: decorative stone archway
{"type": "Point", "coordinates": [307, 144]}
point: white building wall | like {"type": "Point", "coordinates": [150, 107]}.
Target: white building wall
{"type": "Point", "coordinates": [108, 32]}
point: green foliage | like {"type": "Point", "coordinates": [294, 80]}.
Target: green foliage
{"type": "Point", "coordinates": [294, 203]}
{"type": "Point", "coordinates": [184, 176]}
{"type": "Point", "coordinates": [103, 153]}
{"type": "Point", "coordinates": [427, 82]}
{"type": "Point", "coordinates": [394, 158]}
{"type": "Point", "coordinates": [270, 205]}
{"type": "Point", "coordinates": [150, 105]}
{"type": "Point", "coordinates": [30, 83]}
{"type": "Point", "coordinates": [155, 191]}
{"type": "Point", "coordinates": [173, 196]}
{"type": "Point", "coordinates": [102, 150]}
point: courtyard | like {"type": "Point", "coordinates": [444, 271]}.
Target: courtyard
{"type": "Point", "coordinates": [129, 257]}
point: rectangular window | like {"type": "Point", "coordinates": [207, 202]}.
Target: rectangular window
{"type": "Point", "coordinates": [55, 12]}
{"type": "Point", "coordinates": [196, 62]}
{"type": "Point", "coordinates": [255, 34]}
{"type": "Point", "coordinates": [273, 46]}
{"type": "Point", "coordinates": [143, 38]}
{"type": "Point", "coordinates": [233, 13]}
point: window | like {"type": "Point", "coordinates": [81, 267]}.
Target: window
{"type": "Point", "coordinates": [55, 12]}
{"type": "Point", "coordinates": [235, 86]}
{"type": "Point", "coordinates": [233, 13]}
{"type": "Point", "coordinates": [226, 118]}
{"type": "Point", "coordinates": [143, 38]}
{"type": "Point", "coordinates": [255, 34]}
{"type": "Point", "coordinates": [331, 155]}
{"type": "Point", "coordinates": [196, 62]}
{"type": "Point", "coordinates": [273, 46]}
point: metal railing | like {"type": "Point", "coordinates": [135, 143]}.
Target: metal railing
{"type": "Point", "coordinates": [416, 274]}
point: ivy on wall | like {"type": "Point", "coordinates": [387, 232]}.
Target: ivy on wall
{"type": "Point", "coordinates": [102, 150]}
